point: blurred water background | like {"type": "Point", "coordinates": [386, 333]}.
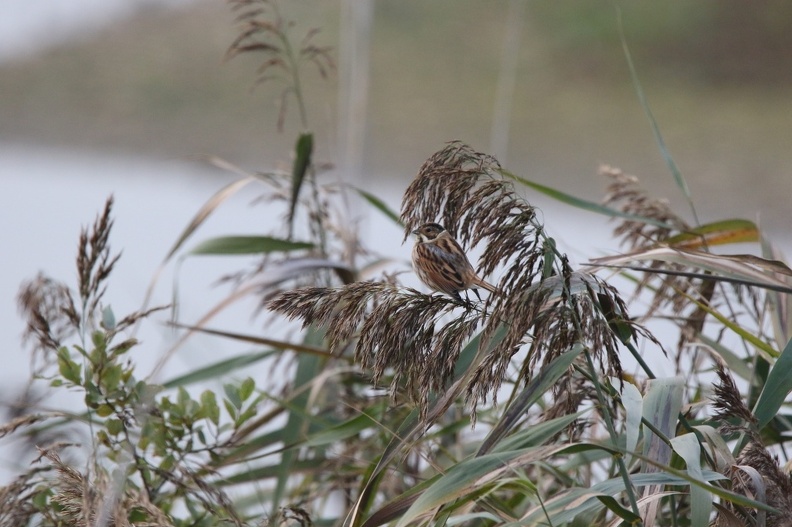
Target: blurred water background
{"type": "Point", "coordinates": [126, 97]}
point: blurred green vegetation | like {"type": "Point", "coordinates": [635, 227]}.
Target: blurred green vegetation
{"type": "Point", "coordinates": [710, 41]}
{"type": "Point", "coordinates": [714, 73]}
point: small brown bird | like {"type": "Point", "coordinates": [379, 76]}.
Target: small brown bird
{"type": "Point", "coordinates": [440, 262]}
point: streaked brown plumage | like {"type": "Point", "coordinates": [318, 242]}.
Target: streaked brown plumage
{"type": "Point", "coordinates": [440, 262]}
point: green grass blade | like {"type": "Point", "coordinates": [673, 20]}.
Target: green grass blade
{"type": "Point", "coordinates": [737, 365]}
{"type": "Point", "coordinates": [218, 369]}
{"type": "Point", "coordinates": [574, 502]}
{"type": "Point", "coordinates": [380, 205]}
{"type": "Point", "coordinates": [340, 432]}
{"type": "Point", "coordinates": [234, 245]}
{"type": "Point", "coordinates": [670, 163]}
{"type": "Point", "coordinates": [661, 407]}
{"type": "Point", "coordinates": [537, 434]}
{"type": "Point", "coordinates": [303, 150]}
{"type": "Point", "coordinates": [295, 429]}
{"type": "Point", "coordinates": [633, 409]}
{"type": "Point", "coordinates": [776, 389]}
{"type": "Point", "coordinates": [470, 475]}
{"type": "Point", "coordinates": [591, 206]}
{"type": "Point", "coordinates": [689, 449]}
{"type": "Point", "coordinates": [533, 391]}
{"type": "Point", "coordinates": [250, 475]}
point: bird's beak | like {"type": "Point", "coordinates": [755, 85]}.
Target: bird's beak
{"type": "Point", "coordinates": [415, 232]}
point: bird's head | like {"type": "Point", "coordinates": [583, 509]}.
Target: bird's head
{"type": "Point", "coordinates": [428, 232]}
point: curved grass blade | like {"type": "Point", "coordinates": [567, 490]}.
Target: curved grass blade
{"type": "Point", "coordinates": [670, 163]}
{"type": "Point", "coordinates": [339, 432]}
{"type": "Point", "coordinates": [591, 206]}
{"type": "Point", "coordinates": [209, 207]}
{"type": "Point", "coordinates": [380, 205]}
{"type": "Point", "coordinates": [476, 473]}
{"type": "Point", "coordinates": [776, 389]}
{"type": "Point", "coordinates": [204, 212]}
{"type": "Point", "coordinates": [780, 305]}
{"type": "Point", "coordinates": [413, 424]}
{"type": "Point", "coordinates": [302, 160]}
{"type": "Point", "coordinates": [536, 435]}
{"type": "Point", "coordinates": [735, 268]}
{"type": "Point", "coordinates": [398, 506]}
{"type": "Point", "coordinates": [718, 449]}
{"type": "Point", "coordinates": [287, 270]}
{"type": "Point", "coordinates": [252, 339]}
{"type": "Point", "coordinates": [533, 391]}
{"type": "Point", "coordinates": [736, 365]}
{"type": "Point", "coordinates": [218, 369]}
{"type": "Point", "coordinates": [308, 368]}
{"type": "Point", "coordinates": [689, 449]}
{"type": "Point", "coordinates": [759, 485]}
{"type": "Point", "coordinates": [231, 245]}
{"type": "Point", "coordinates": [716, 233]}
{"type": "Point", "coordinates": [470, 475]}
{"type": "Point", "coordinates": [575, 502]}
{"type": "Point", "coordinates": [743, 333]}
{"type": "Point", "coordinates": [734, 497]}
{"type": "Point", "coordinates": [250, 475]}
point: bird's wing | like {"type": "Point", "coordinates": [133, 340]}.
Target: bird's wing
{"type": "Point", "coordinates": [446, 269]}
{"type": "Point", "coordinates": [449, 246]}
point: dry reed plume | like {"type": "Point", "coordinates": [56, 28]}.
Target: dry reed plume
{"type": "Point", "coordinates": [544, 307]}
{"type": "Point", "coordinates": [755, 472]}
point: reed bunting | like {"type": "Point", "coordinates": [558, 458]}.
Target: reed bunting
{"type": "Point", "coordinates": [440, 262]}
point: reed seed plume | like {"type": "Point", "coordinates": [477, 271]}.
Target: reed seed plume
{"type": "Point", "coordinates": [94, 261]}
{"type": "Point", "coordinates": [730, 410]}
{"type": "Point", "coordinates": [263, 30]}
{"type": "Point", "coordinates": [50, 313]}
{"type": "Point", "coordinates": [774, 484]}
{"type": "Point", "coordinates": [625, 193]}
{"type": "Point", "coordinates": [54, 313]}
{"type": "Point", "coordinates": [419, 337]}
{"type": "Point", "coordinates": [16, 499]}
{"type": "Point", "coordinates": [82, 501]}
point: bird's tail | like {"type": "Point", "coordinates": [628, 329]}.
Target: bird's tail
{"type": "Point", "coordinates": [486, 285]}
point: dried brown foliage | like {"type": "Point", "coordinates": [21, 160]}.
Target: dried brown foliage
{"type": "Point", "coordinates": [756, 473]}
{"type": "Point", "coordinates": [85, 502]}
{"type": "Point", "coordinates": [48, 307]}
{"type": "Point", "coordinates": [94, 261]}
{"type": "Point", "coordinates": [625, 193]}
{"type": "Point", "coordinates": [53, 312]}
{"type": "Point", "coordinates": [687, 297]}
{"type": "Point", "coordinates": [777, 484]}
{"type": "Point", "coordinates": [730, 410]}
{"type": "Point", "coordinates": [263, 30]}
{"type": "Point", "coordinates": [16, 507]}
{"type": "Point", "coordinates": [82, 501]}
{"type": "Point", "coordinates": [419, 337]}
